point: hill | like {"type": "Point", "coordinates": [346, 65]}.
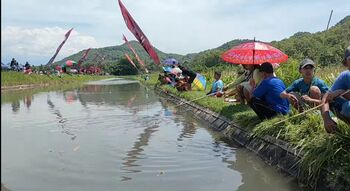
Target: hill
{"type": "Point", "coordinates": [116, 53]}
{"type": "Point", "coordinates": [325, 48]}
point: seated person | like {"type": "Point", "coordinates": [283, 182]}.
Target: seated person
{"type": "Point", "coordinates": [266, 101]}
{"type": "Point", "coordinates": [27, 69]}
{"type": "Point", "coordinates": [162, 79]}
{"type": "Point", "coordinates": [217, 87]}
{"type": "Point", "coordinates": [307, 90]}
{"type": "Point", "coordinates": [243, 76]}
{"type": "Point", "coordinates": [338, 99]}
{"type": "Point", "coordinates": [176, 71]}
{"type": "Point", "coordinates": [246, 88]}
{"type": "Point", "coordinates": [182, 85]}
{"type": "Point", "coordinates": [191, 75]}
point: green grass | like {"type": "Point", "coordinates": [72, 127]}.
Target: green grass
{"type": "Point", "coordinates": [17, 78]}
{"type": "Point", "coordinates": [306, 133]}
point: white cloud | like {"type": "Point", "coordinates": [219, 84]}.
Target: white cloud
{"type": "Point", "coordinates": [24, 43]}
{"type": "Point", "coordinates": [173, 26]}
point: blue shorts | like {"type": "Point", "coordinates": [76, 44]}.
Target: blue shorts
{"type": "Point", "coordinates": [341, 105]}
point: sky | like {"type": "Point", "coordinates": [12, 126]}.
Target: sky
{"type": "Point", "coordinates": [31, 30]}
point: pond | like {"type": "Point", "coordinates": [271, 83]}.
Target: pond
{"type": "Point", "coordinates": [119, 135]}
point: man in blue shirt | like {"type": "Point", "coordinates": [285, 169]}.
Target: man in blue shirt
{"type": "Point", "coordinates": [307, 90]}
{"type": "Point", "coordinates": [266, 101]}
{"type": "Point", "coordinates": [217, 86]}
{"type": "Point", "coordinates": [338, 99]}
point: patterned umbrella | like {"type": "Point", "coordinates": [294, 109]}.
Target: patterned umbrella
{"type": "Point", "coordinates": [170, 61]}
{"type": "Point", "coordinates": [254, 53]}
{"type": "Point", "coordinates": [70, 63]}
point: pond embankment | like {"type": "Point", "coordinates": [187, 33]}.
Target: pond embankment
{"type": "Point", "coordinates": [19, 81]}
{"type": "Point", "coordinates": [276, 152]}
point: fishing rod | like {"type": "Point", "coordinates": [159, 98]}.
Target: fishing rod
{"type": "Point", "coordinates": [186, 102]}
{"type": "Point", "coordinates": [302, 113]}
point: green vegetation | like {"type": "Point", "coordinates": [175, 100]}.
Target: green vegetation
{"type": "Point", "coordinates": [322, 152]}
{"type": "Point", "coordinates": [306, 133]}
{"type": "Point", "coordinates": [114, 57]}
{"type": "Point", "coordinates": [10, 96]}
{"type": "Point", "coordinates": [325, 48]}
{"type": "Point", "coordinates": [18, 78]}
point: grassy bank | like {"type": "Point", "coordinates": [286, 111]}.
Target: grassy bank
{"type": "Point", "coordinates": [306, 133]}
{"type": "Point", "coordinates": [17, 78]}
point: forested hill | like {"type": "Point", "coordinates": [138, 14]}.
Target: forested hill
{"type": "Point", "coordinates": [116, 53]}
{"type": "Point", "coordinates": [325, 47]}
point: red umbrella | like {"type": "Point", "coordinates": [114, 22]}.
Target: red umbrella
{"type": "Point", "coordinates": [70, 63]}
{"type": "Point", "coordinates": [254, 53]}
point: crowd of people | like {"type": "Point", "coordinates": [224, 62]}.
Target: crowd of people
{"type": "Point", "coordinates": [267, 95]}
{"type": "Point", "coordinates": [53, 70]}
{"type": "Point", "coordinates": [178, 76]}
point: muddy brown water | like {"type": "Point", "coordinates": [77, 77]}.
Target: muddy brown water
{"type": "Point", "coordinates": [119, 135]}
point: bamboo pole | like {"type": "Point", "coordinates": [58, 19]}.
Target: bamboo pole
{"type": "Point", "coordinates": [306, 111]}
{"type": "Point", "coordinates": [194, 99]}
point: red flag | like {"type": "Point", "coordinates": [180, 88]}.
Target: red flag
{"type": "Point", "coordinates": [137, 56]}
{"type": "Point", "coordinates": [86, 53]}
{"type": "Point", "coordinates": [60, 46]}
{"type": "Point", "coordinates": [93, 60]}
{"type": "Point", "coordinates": [83, 58]}
{"type": "Point", "coordinates": [136, 30]}
{"type": "Point", "coordinates": [131, 62]}
{"type": "Point", "coordinates": [102, 59]}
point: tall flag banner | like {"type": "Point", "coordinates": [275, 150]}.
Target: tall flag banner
{"type": "Point", "coordinates": [102, 59]}
{"type": "Point", "coordinates": [132, 49]}
{"type": "Point", "coordinates": [131, 62]}
{"type": "Point", "coordinates": [139, 35]}
{"type": "Point", "coordinates": [93, 60]}
{"type": "Point", "coordinates": [60, 46]}
{"type": "Point", "coordinates": [137, 56]}
{"type": "Point", "coordinates": [83, 58]}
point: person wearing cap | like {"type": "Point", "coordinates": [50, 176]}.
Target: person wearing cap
{"type": "Point", "coordinates": [266, 101]}
{"type": "Point", "coordinates": [218, 85]}
{"type": "Point", "coordinates": [338, 98]}
{"type": "Point", "coordinates": [307, 90]}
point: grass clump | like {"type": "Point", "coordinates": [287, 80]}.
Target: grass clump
{"type": "Point", "coordinates": [322, 153]}
{"type": "Point", "coordinates": [11, 78]}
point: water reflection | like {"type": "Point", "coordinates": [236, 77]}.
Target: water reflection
{"type": "Point", "coordinates": [256, 173]}
{"type": "Point", "coordinates": [188, 130]}
{"type": "Point", "coordinates": [15, 106]}
{"type": "Point", "coordinates": [3, 188]}
{"type": "Point", "coordinates": [27, 100]}
{"type": "Point", "coordinates": [133, 155]}
{"type": "Point", "coordinates": [61, 120]}
{"type": "Point", "coordinates": [116, 95]}
{"type": "Point", "coordinates": [70, 96]}
{"type": "Point", "coordinates": [126, 126]}
{"type": "Point", "coordinates": [189, 125]}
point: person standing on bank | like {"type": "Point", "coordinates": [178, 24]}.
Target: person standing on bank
{"type": "Point", "coordinates": [307, 90]}
{"type": "Point", "coordinates": [266, 101]}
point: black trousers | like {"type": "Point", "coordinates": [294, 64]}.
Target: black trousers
{"type": "Point", "coordinates": [262, 109]}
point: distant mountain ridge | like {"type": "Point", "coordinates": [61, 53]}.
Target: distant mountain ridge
{"type": "Point", "coordinates": [324, 47]}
